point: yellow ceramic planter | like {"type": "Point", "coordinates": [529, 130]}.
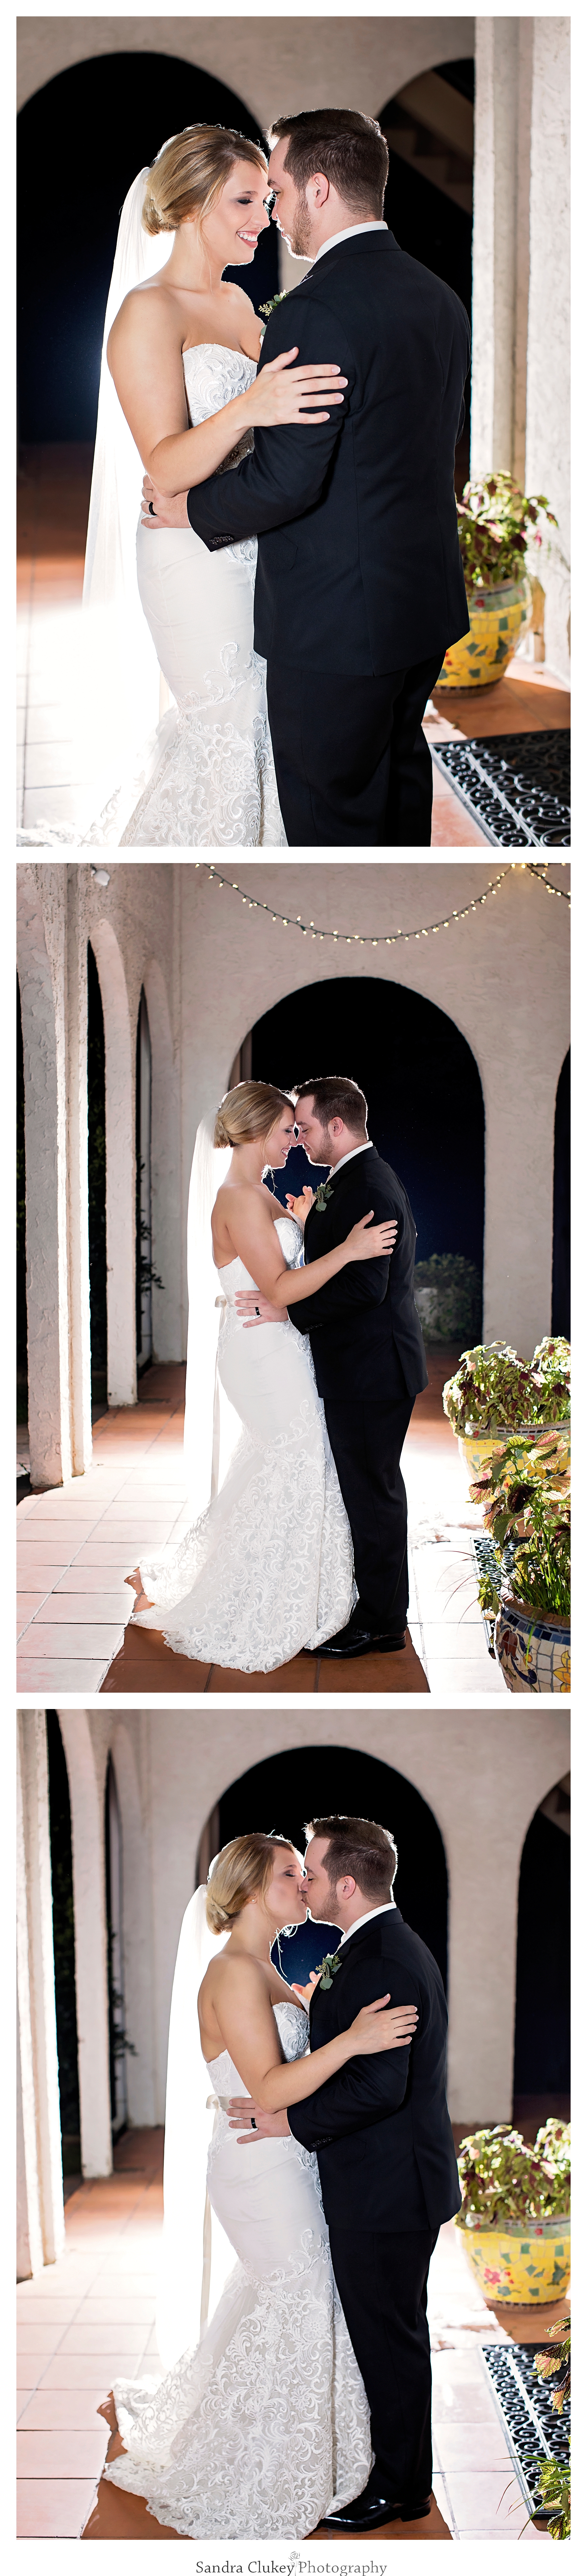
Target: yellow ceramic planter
{"type": "Point", "coordinates": [517, 2266]}
{"type": "Point", "coordinates": [497, 618]}
{"type": "Point", "coordinates": [476, 1447]}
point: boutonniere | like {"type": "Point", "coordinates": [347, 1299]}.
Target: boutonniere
{"type": "Point", "coordinates": [270, 308]}
{"type": "Point", "coordinates": [328, 1969]}
{"type": "Point", "coordinates": [324, 1192]}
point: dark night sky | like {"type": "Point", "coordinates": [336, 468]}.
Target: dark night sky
{"type": "Point", "coordinates": [423, 1089]}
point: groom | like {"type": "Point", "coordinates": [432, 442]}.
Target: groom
{"type": "Point", "coordinates": [368, 1353]}
{"type": "Point", "coordinates": [360, 585]}
{"type": "Point", "coordinates": [386, 2158]}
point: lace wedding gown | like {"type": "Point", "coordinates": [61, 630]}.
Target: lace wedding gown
{"type": "Point", "coordinates": [214, 784]}
{"type": "Point", "coordinates": [268, 1567]}
{"type": "Point", "coordinates": [265, 2427]}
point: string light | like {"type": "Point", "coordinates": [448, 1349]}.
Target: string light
{"type": "Point", "coordinates": [389, 938]}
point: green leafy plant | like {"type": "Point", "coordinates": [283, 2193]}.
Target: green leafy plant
{"type": "Point", "coordinates": [274, 300]}
{"type": "Point", "coordinates": [499, 535]}
{"type": "Point", "coordinates": [525, 1493]}
{"type": "Point", "coordinates": [448, 1295]}
{"type": "Point", "coordinates": [493, 1388]}
{"type": "Point", "coordinates": [501, 2178]}
{"type": "Point", "coordinates": [555, 2479]}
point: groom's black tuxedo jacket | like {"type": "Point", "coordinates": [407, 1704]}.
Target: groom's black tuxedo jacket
{"type": "Point", "coordinates": [367, 576]}
{"type": "Point", "coordinates": [381, 2127]}
{"type": "Point", "coordinates": [373, 1345]}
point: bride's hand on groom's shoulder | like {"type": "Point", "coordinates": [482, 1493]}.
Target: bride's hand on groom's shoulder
{"type": "Point", "coordinates": [282, 393]}
{"type": "Point", "coordinates": [380, 2025]}
{"type": "Point", "coordinates": [300, 1207]}
{"type": "Point", "coordinates": [159, 511]}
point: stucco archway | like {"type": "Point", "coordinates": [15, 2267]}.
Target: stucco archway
{"type": "Point", "coordinates": [46, 1204]}
{"type": "Point", "coordinates": [165, 1165]}
{"type": "Point", "coordinates": [120, 1166]}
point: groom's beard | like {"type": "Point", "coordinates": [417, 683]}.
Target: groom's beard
{"type": "Point", "coordinates": [299, 240]}
{"type": "Point", "coordinates": [326, 1916]}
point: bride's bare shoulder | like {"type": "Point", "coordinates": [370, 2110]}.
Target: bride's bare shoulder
{"type": "Point", "coordinates": [148, 313]}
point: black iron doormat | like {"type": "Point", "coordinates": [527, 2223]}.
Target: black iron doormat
{"type": "Point", "coordinates": [517, 786]}
{"type": "Point", "coordinates": [533, 2432]}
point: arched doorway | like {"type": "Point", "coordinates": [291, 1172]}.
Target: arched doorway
{"type": "Point", "coordinates": [89, 131]}
{"type": "Point", "coordinates": [117, 2039]}
{"type": "Point", "coordinates": [280, 1794]}
{"type": "Point", "coordinates": [561, 1206]}
{"type": "Point", "coordinates": [22, 1389]}
{"type": "Point", "coordinates": [423, 1090]}
{"type": "Point", "coordinates": [144, 1267]}
{"type": "Point", "coordinates": [542, 2075]}
{"type": "Point", "coordinates": [63, 1947]}
{"type": "Point", "coordinates": [429, 195]}
{"type": "Point", "coordinates": [97, 1188]}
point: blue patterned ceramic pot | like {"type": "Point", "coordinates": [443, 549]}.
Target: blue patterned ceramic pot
{"type": "Point", "coordinates": [533, 1647]}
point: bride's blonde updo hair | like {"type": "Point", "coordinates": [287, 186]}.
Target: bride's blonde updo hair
{"type": "Point", "coordinates": [243, 1869]}
{"type": "Point", "coordinates": [250, 1111]}
{"type": "Point", "coordinates": [190, 171]}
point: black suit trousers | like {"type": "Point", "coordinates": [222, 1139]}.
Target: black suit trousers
{"type": "Point", "coordinates": [366, 1439]}
{"type": "Point", "coordinates": [382, 2281]}
{"type": "Point", "coordinates": [351, 759]}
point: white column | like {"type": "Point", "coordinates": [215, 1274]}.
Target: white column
{"type": "Point", "coordinates": [86, 1752]}
{"type": "Point", "coordinates": [77, 1175]}
{"type": "Point", "coordinates": [548, 429]}
{"type": "Point", "coordinates": [40, 2192]}
{"type": "Point", "coordinates": [43, 1032]}
{"type": "Point", "coordinates": [120, 1167]}
{"type": "Point", "coordinates": [501, 245]}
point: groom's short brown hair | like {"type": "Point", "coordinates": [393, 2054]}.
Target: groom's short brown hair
{"type": "Point", "coordinates": [359, 1849]}
{"type": "Point", "coordinates": [348, 147]}
{"type": "Point", "coordinates": [335, 1097]}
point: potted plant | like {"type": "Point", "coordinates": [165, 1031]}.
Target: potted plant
{"type": "Point", "coordinates": [525, 1493]}
{"type": "Point", "coordinates": [448, 1295]}
{"type": "Point", "coordinates": [494, 1392]}
{"type": "Point", "coordinates": [515, 2213]}
{"type": "Point", "coordinates": [500, 544]}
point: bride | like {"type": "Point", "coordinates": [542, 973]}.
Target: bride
{"type": "Point", "coordinates": [267, 1567]}
{"type": "Point", "coordinates": [263, 2426]}
{"type": "Point", "coordinates": [182, 348]}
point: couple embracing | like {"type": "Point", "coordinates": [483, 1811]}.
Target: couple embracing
{"type": "Point", "coordinates": [307, 2398]}
{"type": "Point", "coordinates": [312, 467]}
{"type": "Point", "coordinates": [303, 1544]}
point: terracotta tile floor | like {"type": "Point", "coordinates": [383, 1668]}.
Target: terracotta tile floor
{"type": "Point", "coordinates": [90, 2317]}
{"type": "Point", "coordinates": [53, 497]}
{"type": "Point", "coordinates": [76, 1634]}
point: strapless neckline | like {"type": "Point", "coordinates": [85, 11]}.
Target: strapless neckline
{"type": "Point", "coordinates": [219, 344]}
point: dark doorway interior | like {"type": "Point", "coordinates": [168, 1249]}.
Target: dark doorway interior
{"type": "Point", "coordinates": [81, 140]}
{"type": "Point", "coordinates": [97, 1184]}
{"type": "Point", "coordinates": [427, 221]}
{"type": "Point", "coordinates": [424, 1095]}
{"type": "Point", "coordinates": [543, 1975]}
{"type": "Point", "coordinates": [143, 1264]}
{"type": "Point", "coordinates": [561, 1208]}
{"type": "Point", "coordinates": [281, 1794]}
{"type": "Point", "coordinates": [117, 2039]}
{"type": "Point", "coordinates": [63, 1946]}
{"type": "Point", "coordinates": [22, 1393]}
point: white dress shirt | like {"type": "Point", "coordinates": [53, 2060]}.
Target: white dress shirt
{"type": "Point", "coordinates": [348, 234]}
{"type": "Point", "coordinates": [349, 1158]}
{"type": "Point", "coordinates": [369, 1917]}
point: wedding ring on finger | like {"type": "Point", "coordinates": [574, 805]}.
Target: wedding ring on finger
{"type": "Point", "coordinates": [253, 2124]}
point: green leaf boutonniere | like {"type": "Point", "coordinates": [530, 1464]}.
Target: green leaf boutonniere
{"type": "Point", "coordinates": [270, 308]}
{"type": "Point", "coordinates": [328, 1969]}
{"type": "Point", "coordinates": [324, 1192]}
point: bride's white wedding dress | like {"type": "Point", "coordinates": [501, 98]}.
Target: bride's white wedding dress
{"type": "Point", "coordinates": [214, 783]}
{"type": "Point", "coordinates": [268, 1567]}
{"type": "Point", "coordinates": [265, 2426]}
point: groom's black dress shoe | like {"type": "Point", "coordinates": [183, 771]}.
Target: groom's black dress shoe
{"type": "Point", "coordinates": [361, 1640]}
{"type": "Point", "coordinates": [367, 2513]}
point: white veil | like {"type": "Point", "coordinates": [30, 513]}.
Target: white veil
{"type": "Point", "coordinates": [119, 697]}
{"type": "Point", "coordinates": [211, 1426]}
{"type": "Point", "coordinates": [196, 2254]}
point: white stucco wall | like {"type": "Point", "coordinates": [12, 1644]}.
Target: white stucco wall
{"type": "Point", "coordinates": [501, 975]}
{"type": "Point", "coordinates": [40, 2222]}
{"type": "Point", "coordinates": [276, 64]}
{"type": "Point", "coordinates": [482, 1773]}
